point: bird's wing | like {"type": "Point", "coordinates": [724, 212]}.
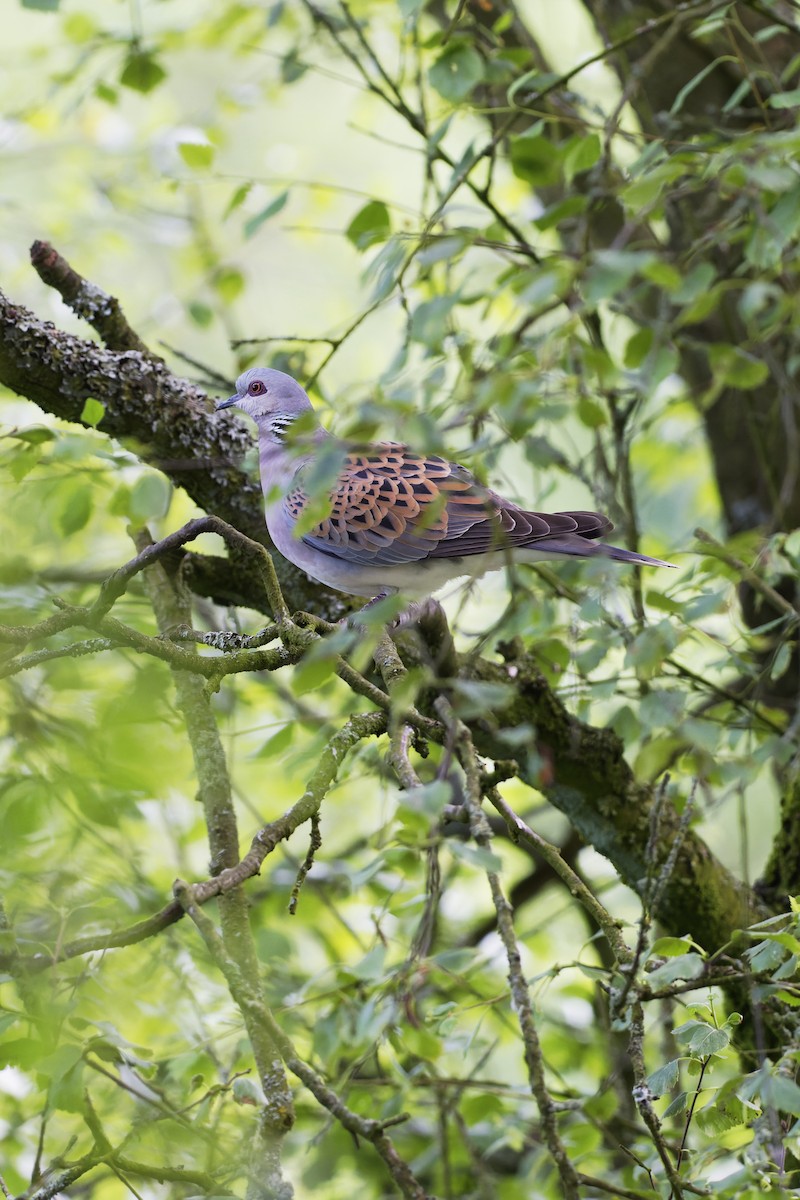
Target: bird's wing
{"type": "Point", "coordinates": [392, 506]}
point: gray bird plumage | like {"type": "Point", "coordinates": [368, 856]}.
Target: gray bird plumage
{"type": "Point", "coordinates": [396, 521]}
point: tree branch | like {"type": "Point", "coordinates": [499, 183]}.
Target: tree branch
{"type": "Point", "coordinates": [168, 418]}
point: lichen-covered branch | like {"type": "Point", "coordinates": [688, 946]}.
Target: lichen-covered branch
{"type": "Point", "coordinates": [596, 789]}
{"type": "Point", "coordinates": [171, 607]}
{"type": "Point", "coordinates": [172, 423]}
{"type": "Point", "coordinates": [100, 310]}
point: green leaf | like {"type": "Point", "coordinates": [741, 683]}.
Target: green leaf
{"type": "Point", "coordinates": [677, 1106]}
{"type": "Point", "coordinates": [370, 968]}
{"type": "Point", "coordinates": [626, 723]}
{"type": "Point", "coordinates": [79, 27]}
{"type": "Point", "coordinates": [708, 1041]}
{"type": "Point", "coordinates": [765, 956]}
{"type": "Point", "coordinates": [150, 497]}
{"type": "Point", "coordinates": [528, 86]}
{"type": "Point", "coordinates": [108, 94]}
{"type": "Point", "coordinates": [253, 224]}
{"type": "Point", "coordinates": [787, 940]}
{"type": "Point", "coordinates": [228, 282]}
{"type": "Point", "coordinates": [637, 348]}
{"type": "Point", "coordinates": [476, 856]}
{"type": "Point", "coordinates": [670, 947]}
{"type": "Point", "coordinates": [312, 672]}
{"type": "Point", "coordinates": [473, 698]}
{"type": "Point", "coordinates": [703, 605]}
{"type": "Point", "coordinates": [23, 1052]}
{"type": "Point", "coordinates": [385, 268]}
{"type": "Point", "coordinates": [34, 435]}
{"type": "Point", "coordinates": [665, 603]}
{"type": "Point", "coordinates": [611, 271]}
{"type": "Point", "coordinates": [279, 742]}
{"type": "Point", "coordinates": [373, 1018]}
{"type": "Point", "coordinates": [428, 799]}
{"type": "Point", "coordinates": [431, 320]}
{"type": "Point", "coordinates": [665, 1078]}
{"type": "Point", "coordinates": [781, 661]}
{"type": "Point", "coordinates": [657, 754]}
{"type": "Point", "coordinates": [563, 210]}
{"type": "Point", "coordinates": [735, 367]}
{"type": "Point", "coordinates": [663, 275]}
{"type": "Point", "coordinates": [650, 647]}
{"type": "Point", "coordinates": [238, 198]}
{"type": "Point", "coordinates": [439, 249]}
{"type": "Point", "coordinates": [77, 509]}
{"type": "Point", "coordinates": [726, 1112]}
{"type": "Point", "coordinates": [685, 1032]}
{"type": "Point", "coordinates": [697, 282]}
{"type": "Point", "coordinates": [42, 5]}
{"type": "Point", "coordinates": [93, 411]}
{"type": "Point", "coordinates": [784, 99]}
{"type": "Point", "coordinates": [535, 159]}
{"type": "Point", "coordinates": [683, 966]}
{"type": "Point", "coordinates": [141, 72]}
{"type": "Point", "coordinates": [24, 806]}
{"type": "Point", "coordinates": [197, 155]}
{"type": "Point", "coordinates": [553, 656]}
{"type": "Point", "coordinates": [63, 1060]}
{"type": "Point", "coordinates": [371, 224]}
{"type": "Point", "coordinates": [781, 1093]}
{"type": "Point", "coordinates": [247, 1091]}
{"type": "Point", "coordinates": [66, 1091]}
{"type": "Point", "coordinates": [581, 153]}
{"type": "Point", "coordinates": [456, 71]}
{"type": "Point", "coordinates": [292, 65]}
{"type": "Point", "coordinates": [591, 413]}
{"type": "Point", "coordinates": [200, 313]}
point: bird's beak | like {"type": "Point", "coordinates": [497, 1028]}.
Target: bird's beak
{"type": "Point", "coordinates": [225, 403]}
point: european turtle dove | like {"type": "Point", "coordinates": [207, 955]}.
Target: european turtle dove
{"type": "Point", "coordinates": [398, 521]}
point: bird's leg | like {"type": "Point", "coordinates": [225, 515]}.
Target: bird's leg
{"type": "Point", "coordinates": [375, 600]}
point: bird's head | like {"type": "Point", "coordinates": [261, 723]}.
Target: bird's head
{"type": "Point", "coordinates": [265, 393]}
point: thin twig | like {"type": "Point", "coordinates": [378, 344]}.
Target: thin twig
{"type": "Point", "coordinates": [750, 576]}
{"type": "Point", "coordinates": [251, 1002]}
{"type": "Point", "coordinates": [314, 843]}
{"type": "Point", "coordinates": [644, 1097]}
{"type": "Point", "coordinates": [552, 856]}
{"type": "Point", "coordinates": [534, 1059]}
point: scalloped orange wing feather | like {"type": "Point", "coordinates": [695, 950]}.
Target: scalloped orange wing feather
{"type": "Point", "coordinates": [392, 506]}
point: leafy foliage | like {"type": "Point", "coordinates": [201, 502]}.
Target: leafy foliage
{"type": "Point", "coordinates": [586, 293]}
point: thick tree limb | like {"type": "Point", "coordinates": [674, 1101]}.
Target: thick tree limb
{"type": "Point", "coordinates": [168, 421]}
{"type": "Point", "coordinates": [596, 789]}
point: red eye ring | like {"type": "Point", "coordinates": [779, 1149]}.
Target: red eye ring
{"type": "Point", "coordinates": [256, 388]}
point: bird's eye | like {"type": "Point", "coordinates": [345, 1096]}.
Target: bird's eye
{"type": "Point", "coordinates": [256, 388]}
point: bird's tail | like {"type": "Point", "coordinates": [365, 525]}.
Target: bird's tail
{"type": "Point", "coordinates": [580, 547]}
{"type": "Point", "coordinates": [630, 556]}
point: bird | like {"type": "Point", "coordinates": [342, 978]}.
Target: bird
{"type": "Point", "coordinates": [394, 521]}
